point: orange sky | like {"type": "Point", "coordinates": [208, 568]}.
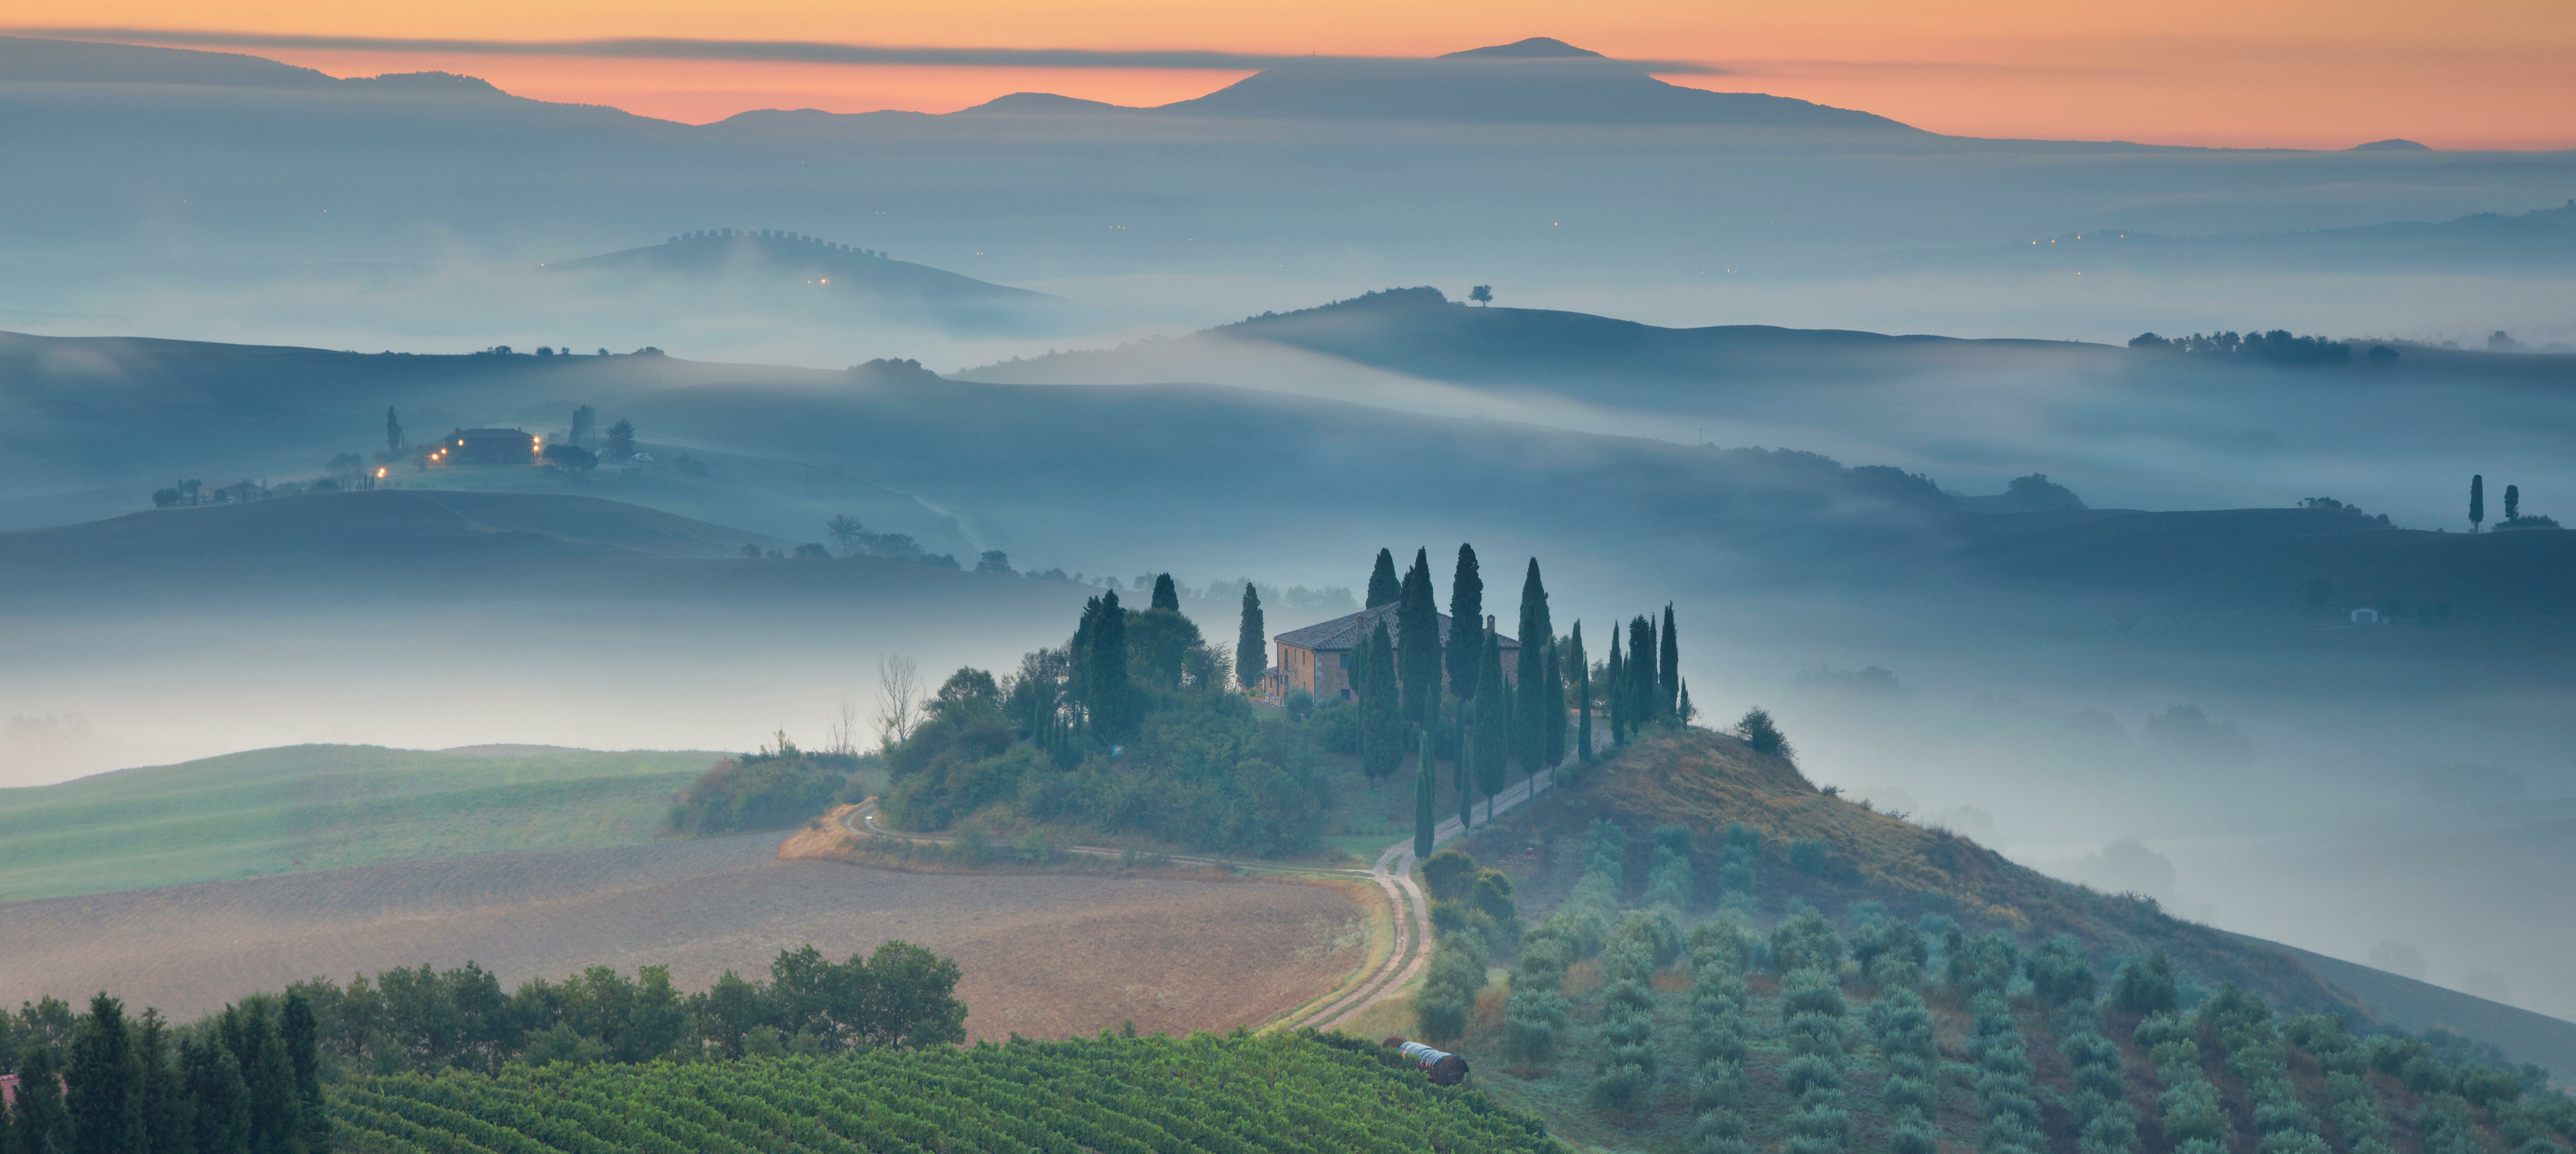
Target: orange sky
{"type": "Point", "coordinates": [2302, 73]}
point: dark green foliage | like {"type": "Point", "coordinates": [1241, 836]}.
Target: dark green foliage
{"type": "Point", "coordinates": [105, 1095]}
{"type": "Point", "coordinates": [2477, 500]}
{"type": "Point", "coordinates": [1160, 642]}
{"type": "Point", "coordinates": [219, 1102]}
{"type": "Point", "coordinates": [1425, 797]}
{"type": "Point", "coordinates": [1763, 734]}
{"type": "Point", "coordinates": [771, 788]}
{"type": "Point", "coordinates": [1575, 659]}
{"type": "Point", "coordinates": [1382, 729]}
{"type": "Point", "coordinates": [268, 1076]}
{"type": "Point", "coordinates": [1981, 965]}
{"type": "Point", "coordinates": [2059, 971]}
{"type": "Point", "coordinates": [1531, 678]}
{"type": "Point", "coordinates": [1739, 867]}
{"type": "Point", "coordinates": [621, 440]}
{"type": "Point", "coordinates": [1804, 941]}
{"type": "Point", "coordinates": [1643, 692]}
{"type": "Point", "coordinates": [1668, 878]}
{"type": "Point", "coordinates": [2146, 986]}
{"type": "Point", "coordinates": [1252, 639]}
{"type": "Point", "coordinates": [1165, 596]}
{"type": "Point", "coordinates": [394, 432]}
{"type": "Point", "coordinates": [1616, 689]}
{"type": "Point", "coordinates": [1102, 682]}
{"type": "Point", "coordinates": [39, 1124]}
{"type": "Point", "coordinates": [1493, 736]}
{"type": "Point", "coordinates": [1383, 587]}
{"type": "Point", "coordinates": [1668, 684]}
{"type": "Point", "coordinates": [1450, 983]}
{"type": "Point", "coordinates": [1890, 952]}
{"type": "Point", "coordinates": [1629, 959]}
{"type": "Point", "coordinates": [1466, 620]}
{"type": "Point", "coordinates": [1449, 876]}
{"type": "Point", "coordinates": [299, 1033]}
{"type": "Point", "coordinates": [168, 1117]}
{"type": "Point", "coordinates": [1419, 664]}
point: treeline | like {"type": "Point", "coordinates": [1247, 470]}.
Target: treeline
{"type": "Point", "coordinates": [249, 1080]}
{"type": "Point", "coordinates": [1132, 725]}
{"type": "Point", "coordinates": [2278, 346]}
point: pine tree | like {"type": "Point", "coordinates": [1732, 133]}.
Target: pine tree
{"type": "Point", "coordinates": [1425, 797]}
{"type": "Point", "coordinates": [1669, 685]}
{"type": "Point", "coordinates": [268, 1079]}
{"type": "Point", "coordinates": [2477, 501]}
{"type": "Point", "coordinates": [1165, 596]}
{"type": "Point", "coordinates": [1466, 612]}
{"type": "Point", "coordinates": [1381, 720]}
{"type": "Point", "coordinates": [1529, 717]}
{"type": "Point", "coordinates": [167, 1125]}
{"type": "Point", "coordinates": [1642, 691]}
{"type": "Point", "coordinates": [1493, 723]}
{"type": "Point", "coordinates": [1616, 690]}
{"type": "Point", "coordinates": [1252, 642]}
{"type": "Point", "coordinates": [1383, 587]}
{"type": "Point", "coordinates": [105, 1097]}
{"type": "Point", "coordinates": [1417, 637]}
{"type": "Point", "coordinates": [1582, 666]}
{"type": "Point", "coordinates": [39, 1122]}
{"type": "Point", "coordinates": [300, 1034]}
{"type": "Point", "coordinates": [393, 430]}
{"type": "Point", "coordinates": [621, 439]}
{"type": "Point", "coordinates": [219, 1099]}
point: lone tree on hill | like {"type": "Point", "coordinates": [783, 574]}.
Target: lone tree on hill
{"type": "Point", "coordinates": [621, 440]}
{"type": "Point", "coordinates": [1165, 595]}
{"type": "Point", "coordinates": [1383, 587]}
{"type": "Point", "coordinates": [1466, 611]}
{"type": "Point", "coordinates": [1251, 642]}
{"type": "Point", "coordinates": [1482, 294]}
{"type": "Point", "coordinates": [1417, 627]}
{"type": "Point", "coordinates": [2477, 501]}
{"type": "Point", "coordinates": [2512, 503]}
{"type": "Point", "coordinates": [393, 430]}
{"type": "Point", "coordinates": [1670, 683]}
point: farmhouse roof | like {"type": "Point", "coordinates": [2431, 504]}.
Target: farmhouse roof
{"type": "Point", "coordinates": [1345, 632]}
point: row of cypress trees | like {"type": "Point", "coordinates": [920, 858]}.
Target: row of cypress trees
{"type": "Point", "coordinates": [1646, 681]}
{"type": "Point", "coordinates": [243, 1082]}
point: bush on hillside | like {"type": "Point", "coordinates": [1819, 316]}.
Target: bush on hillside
{"type": "Point", "coordinates": [773, 788]}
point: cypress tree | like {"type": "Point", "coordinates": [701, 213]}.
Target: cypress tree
{"type": "Point", "coordinates": [1425, 796]}
{"type": "Point", "coordinates": [1582, 694]}
{"type": "Point", "coordinates": [2512, 502]}
{"type": "Point", "coordinates": [301, 1035]}
{"type": "Point", "coordinates": [105, 1098]}
{"type": "Point", "coordinates": [1101, 645]}
{"type": "Point", "coordinates": [39, 1123]}
{"type": "Point", "coordinates": [1466, 611]}
{"type": "Point", "coordinates": [268, 1079]}
{"type": "Point", "coordinates": [1552, 699]}
{"type": "Point", "coordinates": [1417, 637]}
{"type": "Point", "coordinates": [1165, 596]}
{"type": "Point", "coordinates": [393, 430]}
{"type": "Point", "coordinates": [1683, 714]}
{"type": "Point", "coordinates": [1529, 728]}
{"type": "Point", "coordinates": [167, 1126]}
{"type": "Point", "coordinates": [1383, 588]}
{"type": "Point", "coordinates": [1252, 641]}
{"type": "Point", "coordinates": [1642, 693]}
{"type": "Point", "coordinates": [2477, 501]}
{"type": "Point", "coordinates": [1617, 690]}
{"type": "Point", "coordinates": [1493, 723]}
{"type": "Point", "coordinates": [1459, 770]}
{"type": "Point", "coordinates": [1381, 723]}
{"type": "Point", "coordinates": [1670, 684]}
{"type": "Point", "coordinates": [220, 1102]}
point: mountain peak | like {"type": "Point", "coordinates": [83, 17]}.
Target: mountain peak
{"type": "Point", "coordinates": [1534, 48]}
{"type": "Point", "coordinates": [2392, 144]}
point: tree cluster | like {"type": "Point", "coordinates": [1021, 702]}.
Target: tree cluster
{"type": "Point", "coordinates": [772, 788]}
{"type": "Point", "coordinates": [2278, 346]}
{"type": "Point", "coordinates": [246, 1081]}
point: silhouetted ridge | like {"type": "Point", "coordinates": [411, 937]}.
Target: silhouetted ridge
{"type": "Point", "coordinates": [1534, 48]}
{"type": "Point", "coordinates": [2392, 144]}
{"type": "Point", "coordinates": [780, 257]}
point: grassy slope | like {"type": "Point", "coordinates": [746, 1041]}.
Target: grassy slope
{"type": "Point", "coordinates": [323, 806]}
{"type": "Point", "coordinates": [1709, 781]}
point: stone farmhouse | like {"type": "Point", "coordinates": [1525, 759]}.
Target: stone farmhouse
{"type": "Point", "coordinates": [1317, 658]}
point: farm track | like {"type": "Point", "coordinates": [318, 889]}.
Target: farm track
{"type": "Point", "coordinates": [1392, 872]}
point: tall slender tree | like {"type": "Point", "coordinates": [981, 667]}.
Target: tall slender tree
{"type": "Point", "coordinates": [1642, 692]}
{"type": "Point", "coordinates": [105, 1097]}
{"type": "Point", "coordinates": [1251, 642]}
{"type": "Point", "coordinates": [167, 1125]}
{"type": "Point", "coordinates": [38, 1121]}
{"type": "Point", "coordinates": [1417, 639]}
{"type": "Point", "coordinates": [1493, 723]}
{"type": "Point", "coordinates": [2512, 502]}
{"type": "Point", "coordinates": [1382, 730]}
{"type": "Point", "coordinates": [1461, 767]}
{"type": "Point", "coordinates": [1552, 700]}
{"type": "Point", "coordinates": [1425, 798]}
{"type": "Point", "coordinates": [268, 1078]}
{"type": "Point", "coordinates": [218, 1099]}
{"type": "Point", "coordinates": [1100, 654]}
{"type": "Point", "coordinates": [393, 431]}
{"type": "Point", "coordinates": [1582, 666]}
{"type": "Point", "coordinates": [1529, 718]}
{"type": "Point", "coordinates": [1466, 612]}
{"type": "Point", "coordinates": [1165, 595]}
{"type": "Point", "coordinates": [300, 1033]}
{"type": "Point", "coordinates": [2477, 501]}
{"type": "Point", "coordinates": [1616, 690]}
{"type": "Point", "coordinates": [1669, 684]}
{"type": "Point", "coordinates": [1383, 586]}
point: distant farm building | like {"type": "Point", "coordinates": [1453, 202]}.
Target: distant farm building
{"type": "Point", "coordinates": [1317, 658]}
{"type": "Point", "coordinates": [2366, 617]}
{"type": "Point", "coordinates": [493, 446]}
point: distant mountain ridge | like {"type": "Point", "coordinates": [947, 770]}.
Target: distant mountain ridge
{"type": "Point", "coordinates": [779, 257]}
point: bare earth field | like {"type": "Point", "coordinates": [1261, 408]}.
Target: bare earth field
{"type": "Point", "coordinates": [1044, 955]}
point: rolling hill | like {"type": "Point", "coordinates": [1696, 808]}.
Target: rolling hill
{"type": "Point", "coordinates": [773, 269]}
{"type": "Point", "coordinates": [319, 807]}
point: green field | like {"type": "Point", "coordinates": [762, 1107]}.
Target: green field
{"type": "Point", "coordinates": [310, 807]}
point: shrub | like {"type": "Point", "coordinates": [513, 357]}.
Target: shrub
{"type": "Point", "coordinates": [770, 789]}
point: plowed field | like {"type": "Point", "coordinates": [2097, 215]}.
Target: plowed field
{"type": "Point", "coordinates": [1043, 955]}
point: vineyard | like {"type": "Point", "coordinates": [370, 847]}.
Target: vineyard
{"type": "Point", "coordinates": [1305, 1092]}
